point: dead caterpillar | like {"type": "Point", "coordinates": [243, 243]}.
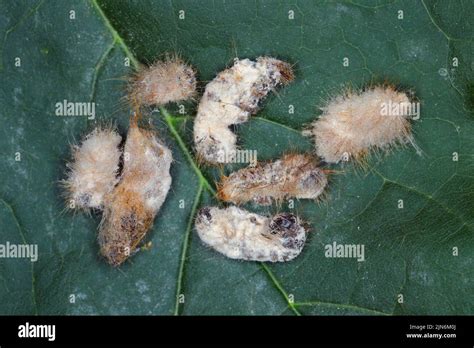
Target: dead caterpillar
{"type": "Point", "coordinates": [94, 169]}
{"type": "Point", "coordinates": [131, 200]}
{"type": "Point", "coordinates": [131, 207]}
{"type": "Point", "coordinates": [355, 122]}
{"type": "Point", "coordinates": [230, 99]}
{"type": "Point", "coordinates": [239, 234]}
{"type": "Point", "coordinates": [165, 81]}
{"type": "Point", "coordinates": [294, 175]}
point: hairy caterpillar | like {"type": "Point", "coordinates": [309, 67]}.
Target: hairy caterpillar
{"type": "Point", "coordinates": [294, 175]}
{"type": "Point", "coordinates": [131, 207]}
{"type": "Point", "coordinates": [230, 99]}
{"type": "Point", "coordinates": [130, 199]}
{"type": "Point", "coordinates": [355, 122]}
{"type": "Point", "coordinates": [239, 234]}
{"type": "Point", "coordinates": [165, 81]}
{"type": "Point", "coordinates": [94, 170]}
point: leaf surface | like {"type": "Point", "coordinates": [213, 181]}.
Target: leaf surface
{"type": "Point", "coordinates": [408, 251]}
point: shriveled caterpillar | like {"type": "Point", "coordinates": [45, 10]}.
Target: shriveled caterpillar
{"type": "Point", "coordinates": [165, 81]}
{"type": "Point", "coordinates": [94, 170]}
{"type": "Point", "coordinates": [131, 207]}
{"type": "Point", "coordinates": [239, 234]}
{"type": "Point", "coordinates": [356, 122]}
{"type": "Point", "coordinates": [230, 99]}
{"type": "Point", "coordinates": [294, 175]}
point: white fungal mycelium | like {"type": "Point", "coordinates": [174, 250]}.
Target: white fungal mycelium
{"type": "Point", "coordinates": [230, 99]}
{"type": "Point", "coordinates": [131, 207]}
{"type": "Point", "coordinates": [94, 170]}
{"type": "Point", "coordinates": [354, 123]}
{"type": "Point", "coordinates": [239, 234]}
{"type": "Point", "coordinates": [294, 175]}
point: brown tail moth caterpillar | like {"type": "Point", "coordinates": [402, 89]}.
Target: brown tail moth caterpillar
{"type": "Point", "coordinates": [230, 99]}
{"type": "Point", "coordinates": [355, 122]}
{"type": "Point", "coordinates": [131, 207]}
{"type": "Point", "coordinates": [165, 81]}
{"type": "Point", "coordinates": [93, 173]}
{"type": "Point", "coordinates": [239, 234]}
{"type": "Point", "coordinates": [294, 175]}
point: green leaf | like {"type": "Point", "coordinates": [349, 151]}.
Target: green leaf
{"type": "Point", "coordinates": [408, 251]}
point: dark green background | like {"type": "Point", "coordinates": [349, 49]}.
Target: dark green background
{"type": "Point", "coordinates": [408, 251]}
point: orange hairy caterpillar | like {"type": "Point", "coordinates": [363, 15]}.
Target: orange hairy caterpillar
{"type": "Point", "coordinates": [170, 80]}
{"type": "Point", "coordinates": [354, 123]}
{"type": "Point", "coordinates": [231, 98]}
{"type": "Point", "coordinates": [131, 207]}
{"type": "Point", "coordinates": [294, 175]}
{"type": "Point", "coordinates": [239, 234]}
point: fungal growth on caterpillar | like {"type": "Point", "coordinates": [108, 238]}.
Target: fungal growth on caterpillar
{"type": "Point", "coordinates": [94, 170]}
{"type": "Point", "coordinates": [239, 234]}
{"type": "Point", "coordinates": [294, 175]}
{"type": "Point", "coordinates": [356, 122]}
{"type": "Point", "coordinates": [230, 99]}
{"type": "Point", "coordinates": [170, 80]}
{"type": "Point", "coordinates": [131, 207]}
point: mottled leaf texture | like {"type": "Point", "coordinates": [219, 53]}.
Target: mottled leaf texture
{"type": "Point", "coordinates": [82, 56]}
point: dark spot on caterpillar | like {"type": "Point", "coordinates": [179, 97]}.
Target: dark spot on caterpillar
{"type": "Point", "coordinates": [265, 236]}
{"type": "Point", "coordinates": [293, 243]}
{"type": "Point", "coordinates": [286, 72]}
{"type": "Point", "coordinates": [212, 96]}
{"type": "Point", "coordinates": [204, 215]}
{"type": "Point", "coordinates": [121, 147]}
{"type": "Point", "coordinates": [233, 127]}
{"type": "Point", "coordinates": [189, 73]}
{"type": "Point", "coordinates": [284, 224]}
{"type": "Point", "coordinates": [249, 107]}
{"type": "Point", "coordinates": [84, 199]}
{"type": "Point", "coordinates": [313, 179]}
{"type": "Point", "coordinates": [129, 222]}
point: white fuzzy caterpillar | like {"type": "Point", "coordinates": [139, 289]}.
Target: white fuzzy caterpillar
{"type": "Point", "coordinates": [94, 170]}
{"type": "Point", "coordinates": [230, 99]}
{"type": "Point", "coordinates": [239, 234]}
{"type": "Point", "coordinates": [354, 123]}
